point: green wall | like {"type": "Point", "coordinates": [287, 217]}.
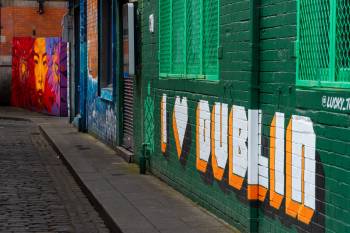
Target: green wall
{"type": "Point", "coordinates": [257, 71]}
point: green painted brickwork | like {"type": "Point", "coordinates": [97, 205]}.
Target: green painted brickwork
{"type": "Point", "coordinates": [277, 93]}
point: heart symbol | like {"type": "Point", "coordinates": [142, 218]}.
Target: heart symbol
{"type": "Point", "coordinates": [180, 119]}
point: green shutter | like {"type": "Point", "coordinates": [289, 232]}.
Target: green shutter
{"type": "Point", "coordinates": [323, 43]}
{"type": "Point", "coordinates": [165, 36]}
{"type": "Point", "coordinates": [193, 37]}
{"type": "Point", "coordinates": [314, 42]}
{"type": "Point", "coordinates": [188, 38]}
{"type": "Point", "coordinates": [210, 38]}
{"type": "Point", "coordinates": [343, 41]}
{"type": "Point", "coordinates": [179, 37]}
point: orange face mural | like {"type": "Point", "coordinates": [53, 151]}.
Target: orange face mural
{"type": "Point", "coordinates": [40, 65]}
{"type": "Point", "coordinates": [39, 75]}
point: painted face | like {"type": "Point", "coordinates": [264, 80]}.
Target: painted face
{"type": "Point", "coordinates": [40, 61]}
{"type": "Point", "coordinates": [23, 71]}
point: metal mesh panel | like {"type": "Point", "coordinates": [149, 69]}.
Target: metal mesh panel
{"type": "Point", "coordinates": [178, 40]}
{"type": "Point", "coordinates": [343, 41]}
{"type": "Point", "coordinates": [210, 37]}
{"type": "Point", "coordinates": [165, 36]}
{"type": "Point", "coordinates": [188, 37]}
{"type": "Point", "coordinates": [324, 43]}
{"type": "Point", "coordinates": [314, 39]}
{"type": "Point", "coordinates": [193, 37]}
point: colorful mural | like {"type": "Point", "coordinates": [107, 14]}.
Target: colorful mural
{"type": "Point", "coordinates": [101, 116]}
{"type": "Point", "coordinates": [22, 72]}
{"type": "Point", "coordinates": [39, 75]}
{"type": "Point", "coordinates": [231, 137]}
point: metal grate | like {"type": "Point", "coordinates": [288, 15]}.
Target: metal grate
{"type": "Point", "coordinates": [193, 31]}
{"type": "Point", "coordinates": [165, 36]}
{"type": "Point", "coordinates": [343, 41]}
{"type": "Point", "coordinates": [210, 38]}
{"type": "Point", "coordinates": [324, 43]}
{"type": "Point", "coordinates": [188, 38]}
{"type": "Point", "coordinates": [128, 114]}
{"type": "Point", "coordinates": [149, 119]}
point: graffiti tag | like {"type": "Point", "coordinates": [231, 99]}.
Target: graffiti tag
{"type": "Point", "coordinates": [336, 103]}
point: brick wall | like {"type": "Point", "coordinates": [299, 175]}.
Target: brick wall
{"type": "Point", "coordinates": [101, 111]}
{"type": "Point", "coordinates": [181, 171]}
{"type": "Point", "coordinates": [278, 33]}
{"type": "Point", "coordinates": [20, 21]}
{"type": "Point", "coordinates": [170, 111]}
{"type": "Point", "coordinates": [92, 37]}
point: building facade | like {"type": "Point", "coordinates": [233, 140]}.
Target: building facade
{"type": "Point", "coordinates": [243, 106]}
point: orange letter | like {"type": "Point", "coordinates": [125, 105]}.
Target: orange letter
{"type": "Point", "coordinates": [238, 152]}
{"type": "Point", "coordinates": [277, 160]}
{"type": "Point", "coordinates": [163, 124]}
{"type": "Point", "coordinates": [301, 169]}
{"type": "Point", "coordinates": [202, 135]}
{"type": "Point", "coordinates": [180, 119]}
{"type": "Point", "coordinates": [258, 182]}
{"type": "Point", "coordinates": [219, 135]}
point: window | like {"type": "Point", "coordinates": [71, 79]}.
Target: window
{"type": "Point", "coordinates": [323, 58]}
{"type": "Point", "coordinates": [188, 39]}
{"type": "Point", "coordinates": [105, 47]}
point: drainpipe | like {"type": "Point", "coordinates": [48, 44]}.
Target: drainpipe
{"type": "Point", "coordinates": [83, 66]}
{"type": "Point", "coordinates": [255, 39]}
{"type": "Point", "coordinates": [254, 26]}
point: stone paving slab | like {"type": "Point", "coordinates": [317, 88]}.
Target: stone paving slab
{"type": "Point", "coordinates": [131, 202]}
{"type": "Point", "coordinates": [38, 193]}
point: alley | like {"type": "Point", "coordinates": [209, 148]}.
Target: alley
{"type": "Point", "coordinates": [168, 116]}
{"type": "Point", "coordinates": [37, 193]}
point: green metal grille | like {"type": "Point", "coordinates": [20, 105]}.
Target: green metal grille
{"type": "Point", "coordinates": [343, 41]}
{"type": "Point", "coordinates": [165, 36]}
{"type": "Point", "coordinates": [149, 119]}
{"type": "Point", "coordinates": [323, 43]}
{"type": "Point", "coordinates": [193, 30]}
{"type": "Point", "coordinates": [210, 38]}
{"type": "Point", "coordinates": [188, 39]}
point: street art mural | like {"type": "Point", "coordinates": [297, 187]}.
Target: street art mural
{"type": "Point", "coordinates": [229, 140]}
{"type": "Point", "coordinates": [22, 72]}
{"type": "Point", "coordinates": [39, 75]}
{"type": "Point", "coordinates": [101, 114]}
{"type": "Point", "coordinates": [149, 120]}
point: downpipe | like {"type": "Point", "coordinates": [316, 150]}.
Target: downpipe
{"type": "Point", "coordinates": [144, 159]}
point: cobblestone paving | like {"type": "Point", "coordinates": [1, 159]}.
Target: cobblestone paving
{"type": "Point", "coordinates": [37, 192]}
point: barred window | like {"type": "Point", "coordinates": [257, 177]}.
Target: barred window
{"type": "Point", "coordinates": [323, 58]}
{"type": "Point", "coordinates": [188, 39]}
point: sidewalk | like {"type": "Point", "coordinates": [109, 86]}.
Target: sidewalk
{"type": "Point", "coordinates": [129, 202]}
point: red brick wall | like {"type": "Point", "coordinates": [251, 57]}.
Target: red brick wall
{"type": "Point", "coordinates": [20, 21]}
{"type": "Point", "coordinates": [92, 37]}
